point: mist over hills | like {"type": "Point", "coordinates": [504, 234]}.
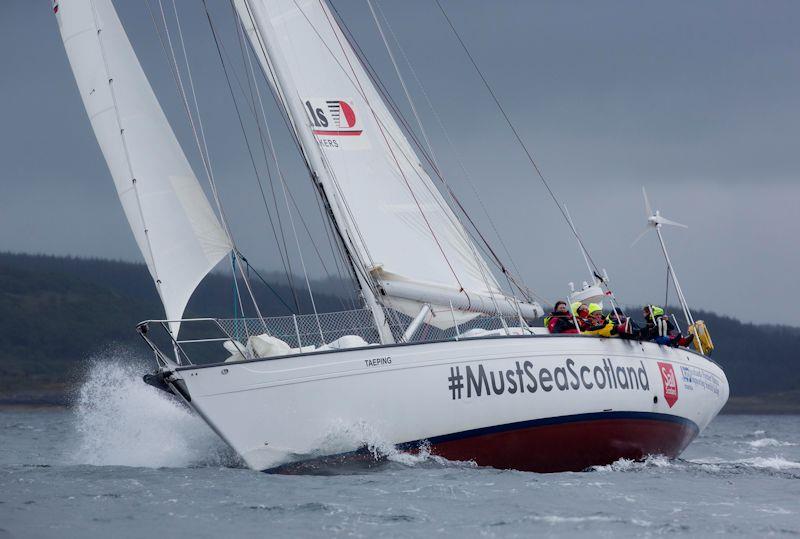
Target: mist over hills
{"type": "Point", "coordinates": [57, 312]}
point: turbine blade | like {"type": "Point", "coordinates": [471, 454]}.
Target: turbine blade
{"type": "Point", "coordinates": [647, 207]}
{"type": "Point", "coordinates": [640, 236]}
{"type": "Point", "coordinates": [665, 221]}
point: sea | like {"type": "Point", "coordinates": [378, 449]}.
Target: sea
{"type": "Point", "coordinates": [126, 460]}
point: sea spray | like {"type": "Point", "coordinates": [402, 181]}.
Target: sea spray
{"type": "Point", "coordinates": [122, 421]}
{"type": "Point", "coordinates": [343, 437]}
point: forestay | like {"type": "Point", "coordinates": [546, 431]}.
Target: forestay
{"type": "Point", "coordinates": [171, 218]}
{"type": "Point", "coordinates": [399, 227]}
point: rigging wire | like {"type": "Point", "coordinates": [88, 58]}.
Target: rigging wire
{"type": "Point", "coordinates": [391, 151]}
{"type": "Point", "coordinates": [282, 247]}
{"type": "Point", "coordinates": [413, 163]}
{"type": "Point", "coordinates": [479, 263]}
{"type": "Point", "coordinates": [272, 147]}
{"type": "Point", "coordinates": [257, 95]}
{"type": "Point", "coordinates": [266, 283]}
{"type": "Point", "coordinates": [453, 198]}
{"type": "Point", "coordinates": [200, 146]}
{"type": "Point", "coordinates": [357, 269]}
{"type": "Point", "coordinates": [450, 143]}
{"type": "Point", "coordinates": [512, 127]}
{"type": "Point", "coordinates": [381, 88]}
{"type": "Point", "coordinates": [332, 242]}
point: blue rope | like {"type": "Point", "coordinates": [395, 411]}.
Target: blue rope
{"type": "Point", "coordinates": [236, 323]}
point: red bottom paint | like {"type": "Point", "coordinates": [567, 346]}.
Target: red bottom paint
{"type": "Point", "coordinates": [572, 446]}
{"type": "Point", "coordinates": [559, 444]}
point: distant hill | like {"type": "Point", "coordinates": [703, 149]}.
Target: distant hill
{"type": "Point", "coordinates": [58, 311]}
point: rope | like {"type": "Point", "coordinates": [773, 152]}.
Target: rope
{"type": "Point", "coordinates": [381, 88]}
{"type": "Point", "coordinates": [282, 248]}
{"type": "Point", "coordinates": [204, 157]}
{"type": "Point", "coordinates": [391, 150]}
{"type": "Point", "coordinates": [449, 139]}
{"type": "Point", "coordinates": [279, 100]}
{"type": "Point", "coordinates": [275, 157]}
{"type": "Point", "coordinates": [266, 283]}
{"type": "Point", "coordinates": [513, 129]}
{"type": "Point", "coordinates": [459, 227]}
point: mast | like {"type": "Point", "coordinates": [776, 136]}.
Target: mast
{"type": "Point", "coordinates": [250, 11]}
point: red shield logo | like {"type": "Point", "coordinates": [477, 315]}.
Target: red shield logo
{"type": "Point", "coordinates": [670, 383]}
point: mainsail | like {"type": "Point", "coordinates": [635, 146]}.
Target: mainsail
{"type": "Point", "coordinates": [171, 218]}
{"type": "Point", "coordinates": [397, 224]}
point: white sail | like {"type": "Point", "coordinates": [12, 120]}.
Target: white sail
{"type": "Point", "coordinates": [171, 218]}
{"type": "Point", "coordinates": [399, 225]}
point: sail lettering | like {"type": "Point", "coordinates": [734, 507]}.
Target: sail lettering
{"type": "Point", "coordinates": [317, 115]}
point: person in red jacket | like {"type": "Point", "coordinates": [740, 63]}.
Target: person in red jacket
{"type": "Point", "coordinates": [560, 320]}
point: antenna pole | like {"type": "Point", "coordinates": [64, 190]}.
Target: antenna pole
{"type": "Point", "coordinates": [681, 298]}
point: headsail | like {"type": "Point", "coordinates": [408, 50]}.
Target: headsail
{"type": "Point", "coordinates": [171, 218]}
{"type": "Point", "coordinates": [400, 227]}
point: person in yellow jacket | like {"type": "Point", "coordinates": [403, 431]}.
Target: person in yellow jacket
{"type": "Point", "coordinates": [598, 324]}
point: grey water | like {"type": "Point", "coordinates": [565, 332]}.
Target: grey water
{"type": "Point", "coordinates": [128, 461]}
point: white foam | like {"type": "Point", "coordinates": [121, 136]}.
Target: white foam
{"type": "Point", "coordinates": [344, 437]}
{"type": "Point", "coordinates": [768, 442]}
{"type": "Point", "coordinates": [558, 519]}
{"type": "Point", "coordinates": [626, 465]}
{"type": "Point", "coordinates": [122, 421]}
{"type": "Point", "coordinates": [775, 463]}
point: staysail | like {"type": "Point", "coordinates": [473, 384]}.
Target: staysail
{"type": "Point", "coordinates": [174, 225]}
{"type": "Point", "coordinates": [399, 226]}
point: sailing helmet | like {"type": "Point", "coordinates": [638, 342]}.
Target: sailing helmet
{"type": "Point", "coordinates": [595, 308]}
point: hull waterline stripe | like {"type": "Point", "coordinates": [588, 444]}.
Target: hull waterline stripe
{"type": "Point", "coordinates": [508, 427]}
{"type": "Point", "coordinates": [547, 421]}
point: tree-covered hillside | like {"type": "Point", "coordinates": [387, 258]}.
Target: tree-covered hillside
{"type": "Point", "coordinates": [58, 311]}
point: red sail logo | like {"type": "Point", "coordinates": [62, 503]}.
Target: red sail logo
{"type": "Point", "coordinates": [670, 383]}
{"type": "Point", "coordinates": [333, 117]}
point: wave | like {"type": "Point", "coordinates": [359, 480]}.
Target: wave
{"type": "Point", "coordinates": [121, 421]}
{"type": "Point", "coordinates": [769, 442]}
{"type": "Point", "coordinates": [628, 465]}
{"type": "Point", "coordinates": [772, 463]}
{"type": "Point", "coordinates": [714, 464]}
{"type": "Point", "coordinates": [341, 437]}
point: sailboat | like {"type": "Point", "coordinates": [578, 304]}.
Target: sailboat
{"type": "Point", "coordinates": [438, 356]}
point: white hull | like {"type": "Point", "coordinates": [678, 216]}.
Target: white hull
{"type": "Point", "coordinates": [275, 412]}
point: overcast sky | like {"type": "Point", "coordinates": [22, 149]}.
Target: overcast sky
{"type": "Point", "coordinates": [698, 101]}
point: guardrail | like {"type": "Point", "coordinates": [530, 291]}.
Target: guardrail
{"type": "Point", "coordinates": [302, 333]}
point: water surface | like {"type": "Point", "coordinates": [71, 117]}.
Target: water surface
{"type": "Point", "coordinates": [127, 461]}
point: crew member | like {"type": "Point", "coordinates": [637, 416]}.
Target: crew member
{"type": "Point", "coordinates": [660, 329]}
{"type": "Point", "coordinates": [624, 326]}
{"type": "Point", "coordinates": [560, 320]}
{"type": "Point", "coordinates": [598, 325]}
{"type": "Point", "coordinates": [581, 313]}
